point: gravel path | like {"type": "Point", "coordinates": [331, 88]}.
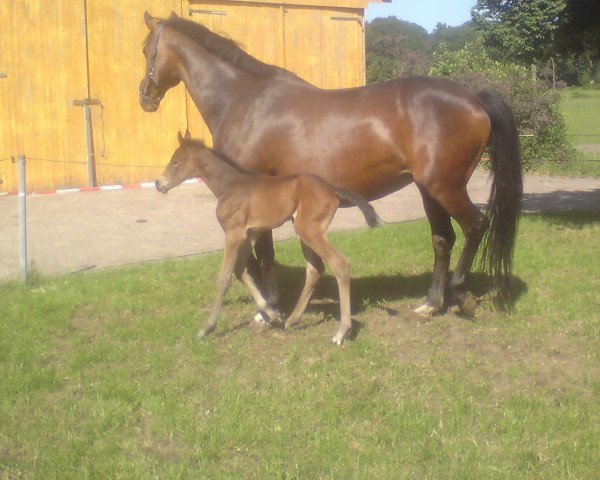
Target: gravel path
{"type": "Point", "coordinates": [85, 230]}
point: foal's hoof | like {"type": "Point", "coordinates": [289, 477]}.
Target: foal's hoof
{"type": "Point", "coordinates": [267, 317]}
{"type": "Point", "coordinates": [339, 338]}
{"type": "Point", "coordinates": [260, 318]}
{"type": "Point", "coordinates": [426, 310]}
{"type": "Point", "coordinates": [203, 333]}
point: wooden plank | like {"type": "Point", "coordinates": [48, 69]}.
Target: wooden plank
{"type": "Point", "coordinates": [46, 69]}
{"type": "Point", "coordinates": [325, 46]}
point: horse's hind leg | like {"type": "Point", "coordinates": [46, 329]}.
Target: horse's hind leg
{"type": "Point", "coordinates": [473, 224]}
{"type": "Point", "coordinates": [442, 239]}
{"type": "Point", "coordinates": [314, 271]}
{"type": "Point", "coordinates": [230, 253]}
{"type": "Point", "coordinates": [340, 266]}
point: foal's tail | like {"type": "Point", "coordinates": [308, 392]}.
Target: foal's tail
{"type": "Point", "coordinates": [361, 202]}
{"type": "Point", "coordinates": [504, 204]}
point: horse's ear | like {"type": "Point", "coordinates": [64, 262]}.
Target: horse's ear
{"type": "Point", "coordinates": [188, 135]}
{"type": "Point", "coordinates": [180, 137]}
{"type": "Point", "coordinates": [151, 22]}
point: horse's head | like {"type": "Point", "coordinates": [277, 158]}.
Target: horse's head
{"type": "Point", "coordinates": [161, 74]}
{"type": "Point", "coordinates": [182, 165]}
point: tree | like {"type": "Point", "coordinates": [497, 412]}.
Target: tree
{"type": "Point", "coordinates": [579, 30]}
{"type": "Point", "coordinates": [395, 48]}
{"type": "Point", "coordinates": [453, 38]}
{"type": "Point", "coordinates": [521, 31]}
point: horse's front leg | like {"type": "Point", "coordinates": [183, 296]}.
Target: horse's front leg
{"type": "Point", "coordinates": [265, 255]}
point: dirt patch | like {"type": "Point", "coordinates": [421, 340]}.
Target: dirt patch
{"type": "Point", "coordinates": [485, 353]}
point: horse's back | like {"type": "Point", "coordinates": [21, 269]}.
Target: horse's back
{"type": "Point", "coordinates": [372, 139]}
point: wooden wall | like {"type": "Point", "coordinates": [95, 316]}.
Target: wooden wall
{"type": "Point", "coordinates": [61, 51]}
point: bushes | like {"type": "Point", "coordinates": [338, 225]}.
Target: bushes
{"type": "Point", "coordinates": [541, 125]}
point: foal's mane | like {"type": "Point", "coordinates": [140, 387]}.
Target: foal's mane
{"type": "Point", "coordinates": [225, 48]}
{"type": "Point", "coordinates": [199, 144]}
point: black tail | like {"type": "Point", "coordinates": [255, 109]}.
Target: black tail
{"type": "Point", "coordinates": [504, 204]}
{"type": "Point", "coordinates": [361, 202]}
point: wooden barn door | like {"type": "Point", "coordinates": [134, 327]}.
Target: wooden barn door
{"type": "Point", "coordinates": [131, 145]}
{"type": "Point", "coordinates": [42, 52]}
{"type": "Point", "coordinates": [325, 46]}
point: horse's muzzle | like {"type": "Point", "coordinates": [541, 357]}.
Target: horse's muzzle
{"type": "Point", "coordinates": [148, 103]}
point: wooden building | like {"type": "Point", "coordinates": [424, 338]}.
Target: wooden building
{"type": "Point", "coordinates": [63, 57]}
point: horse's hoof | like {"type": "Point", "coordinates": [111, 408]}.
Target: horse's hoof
{"type": "Point", "coordinates": [338, 339]}
{"type": "Point", "coordinates": [426, 310]}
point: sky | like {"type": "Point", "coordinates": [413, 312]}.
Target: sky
{"type": "Point", "coordinates": [426, 13]}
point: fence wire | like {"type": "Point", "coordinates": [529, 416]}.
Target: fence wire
{"type": "Point", "coordinates": [97, 164]}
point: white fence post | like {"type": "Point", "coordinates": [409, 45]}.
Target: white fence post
{"type": "Point", "coordinates": [22, 218]}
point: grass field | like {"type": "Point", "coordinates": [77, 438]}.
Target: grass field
{"type": "Point", "coordinates": [101, 377]}
{"type": "Point", "coordinates": [581, 107]}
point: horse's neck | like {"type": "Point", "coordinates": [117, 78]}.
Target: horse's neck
{"type": "Point", "coordinates": [218, 174]}
{"type": "Point", "coordinates": [210, 81]}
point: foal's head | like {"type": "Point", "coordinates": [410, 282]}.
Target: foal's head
{"type": "Point", "coordinates": [182, 165]}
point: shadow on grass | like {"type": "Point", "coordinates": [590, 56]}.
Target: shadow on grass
{"type": "Point", "coordinates": [575, 207]}
{"type": "Point", "coordinates": [373, 290]}
{"type": "Point", "coordinates": [577, 219]}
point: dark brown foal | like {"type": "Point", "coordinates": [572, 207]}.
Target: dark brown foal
{"type": "Point", "coordinates": [249, 204]}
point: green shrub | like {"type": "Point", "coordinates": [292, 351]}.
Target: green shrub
{"type": "Point", "coordinates": [536, 106]}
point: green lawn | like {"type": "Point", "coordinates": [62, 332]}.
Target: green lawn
{"type": "Point", "coordinates": [102, 378]}
{"type": "Point", "coordinates": [581, 107]}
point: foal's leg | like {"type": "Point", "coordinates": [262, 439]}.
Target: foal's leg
{"type": "Point", "coordinates": [242, 273]}
{"type": "Point", "coordinates": [442, 240]}
{"type": "Point", "coordinates": [230, 253]}
{"type": "Point", "coordinates": [314, 271]}
{"type": "Point", "coordinates": [340, 266]}
{"type": "Point", "coordinates": [265, 255]}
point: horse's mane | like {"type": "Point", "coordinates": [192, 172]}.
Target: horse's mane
{"type": "Point", "coordinates": [225, 48]}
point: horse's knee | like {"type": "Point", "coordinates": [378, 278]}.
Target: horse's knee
{"type": "Point", "coordinates": [313, 273]}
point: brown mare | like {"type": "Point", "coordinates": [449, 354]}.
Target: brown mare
{"type": "Point", "coordinates": [373, 140]}
{"type": "Point", "coordinates": [250, 203]}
